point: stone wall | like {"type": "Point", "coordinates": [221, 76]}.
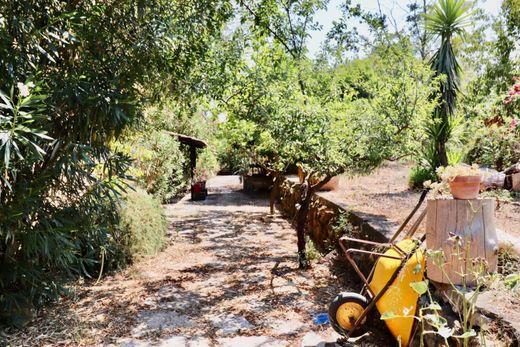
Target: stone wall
{"type": "Point", "coordinates": [323, 221]}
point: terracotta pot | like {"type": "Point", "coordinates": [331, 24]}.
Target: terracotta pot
{"type": "Point", "coordinates": [333, 184]}
{"type": "Point", "coordinates": [465, 187]}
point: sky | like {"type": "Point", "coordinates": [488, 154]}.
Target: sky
{"type": "Point", "coordinates": [392, 8]}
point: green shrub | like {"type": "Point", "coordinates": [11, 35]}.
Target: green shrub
{"type": "Point", "coordinates": [142, 225]}
{"type": "Point", "coordinates": [312, 252]}
{"type": "Point", "coordinates": [341, 226]}
{"type": "Point", "coordinates": [419, 175]}
{"type": "Point", "coordinates": [159, 165]}
{"type": "Point", "coordinates": [64, 245]}
{"type": "Point", "coordinates": [498, 147]}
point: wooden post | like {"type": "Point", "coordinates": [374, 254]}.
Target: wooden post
{"type": "Point", "coordinates": [193, 162]}
{"type": "Point", "coordinates": [465, 232]}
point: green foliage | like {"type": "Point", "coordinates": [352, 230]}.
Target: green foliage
{"type": "Point", "coordinates": [495, 146]}
{"type": "Point", "coordinates": [142, 225]}
{"type": "Point", "coordinates": [75, 75]}
{"type": "Point", "coordinates": [159, 165]}
{"type": "Point", "coordinates": [341, 226]}
{"type": "Point", "coordinates": [287, 22]}
{"type": "Point", "coordinates": [399, 101]}
{"type": "Point", "coordinates": [329, 128]}
{"type": "Point", "coordinates": [419, 175]}
{"type": "Point", "coordinates": [446, 20]}
{"type": "Point", "coordinates": [344, 37]}
{"type": "Point", "coordinates": [312, 252]}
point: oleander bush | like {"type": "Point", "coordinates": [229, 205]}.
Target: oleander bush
{"type": "Point", "coordinates": [75, 76]}
{"type": "Point", "coordinates": [160, 166]}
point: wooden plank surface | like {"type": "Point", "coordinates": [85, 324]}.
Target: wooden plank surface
{"type": "Point", "coordinates": [464, 230]}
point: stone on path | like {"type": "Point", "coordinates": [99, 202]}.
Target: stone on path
{"type": "Point", "coordinates": [230, 324]}
{"type": "Point", "coordinates": [312, 339]}
{"type": "Point", "coordinates": [251, 341]}
{"type": "Point", "coordinates": [173, 341]}
{"type": "Point", "coordinates": [287, 327]}
{"type": "Point", "coordinates": [156, 321]}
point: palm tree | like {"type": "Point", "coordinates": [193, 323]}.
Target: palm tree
{"type": "Point", "coordinates": [446, 20]}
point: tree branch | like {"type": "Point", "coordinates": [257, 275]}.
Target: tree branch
{"type": "Point", "coordinates": [273, 32]}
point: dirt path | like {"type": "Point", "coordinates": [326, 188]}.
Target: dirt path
{"type": "Point", "coordinates": [228, 277]}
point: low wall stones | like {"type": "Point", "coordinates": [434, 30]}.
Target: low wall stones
{"type": "Point", "coordinates": [324, 218]}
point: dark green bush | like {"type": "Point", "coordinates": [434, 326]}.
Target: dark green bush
{"type": "Point", "coordinates": [419, 175]}
{"type": "Point", "coordinates": [74, 76]}
{"type": "Point", "coordinates": [65, 242]}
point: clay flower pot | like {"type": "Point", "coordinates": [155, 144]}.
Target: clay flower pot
{"type": "Point", "coordinates": [465, 187]}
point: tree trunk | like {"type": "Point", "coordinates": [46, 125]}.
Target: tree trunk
{"type": "Point", "coordinates": [301, 219]}
{"type": "Point", "coordinates": [441, 151]}
{"type": "Point", "coordinates": [274, 193]}
{"type": "Point", "coordinates": [465, 232]}
{"type": "Point", "coordinates": [424, 37]}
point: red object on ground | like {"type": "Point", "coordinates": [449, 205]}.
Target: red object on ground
{"type": "Point", "coordinates": [197, 188]}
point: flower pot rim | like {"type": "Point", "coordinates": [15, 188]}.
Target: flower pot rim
{"type": "Point", "coordinates": [467, 178]}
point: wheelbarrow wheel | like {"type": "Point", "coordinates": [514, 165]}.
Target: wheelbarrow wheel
{"type": "Point", "coordinates": [344, 311]}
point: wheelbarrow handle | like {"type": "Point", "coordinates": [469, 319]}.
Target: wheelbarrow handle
{"type": "Point", "coordinates": [410, 216]}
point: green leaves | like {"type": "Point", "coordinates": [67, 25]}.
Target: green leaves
{"type": "Point", "coordinates": [388, 315]}
{"type": "Point", "coordinates": [21, 134]}
{"type": "Point", "coordinates": [89, 68]}
{"type": "Point", "coordinates": [448, 17]}
{"type": "Point", "coordinates": [420, 287]}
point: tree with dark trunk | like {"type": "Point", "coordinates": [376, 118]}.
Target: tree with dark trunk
{"type": "Point", "coordinates": [307, 191]}
{"type": "Point", "coordinates": [446, 20]}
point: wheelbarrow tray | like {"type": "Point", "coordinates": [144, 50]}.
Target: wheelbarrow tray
{"type": "Point", "coordinates": [387, 286]}
{"type": "Point", "coordinates": [399, 301]}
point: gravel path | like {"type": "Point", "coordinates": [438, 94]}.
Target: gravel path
{"type": "Point", "coordinates": [228, 277]}
{"type": "Point", "coordinates": [237, 278]}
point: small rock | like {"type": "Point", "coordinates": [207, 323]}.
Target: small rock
{"type": "Point", "coordinates": [230, 324]}
{"type": "Point", "coordinates": [149, 302]}
{"type": "Point", "coordinates": [250, 341]}
{"type": "Point", "coordinates": [150, 321]}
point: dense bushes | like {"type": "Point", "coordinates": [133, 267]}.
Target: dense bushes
{"type": "Point", "coordinates": [142, 225]}
{"type": "Point", "coordinates": [75, 76]}
{"type": "Point", "coordinates": [496, 146]}
{"type": "Point", "coordinates": [159, 166]}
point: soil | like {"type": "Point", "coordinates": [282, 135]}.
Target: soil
{"type": "Point", "coordinates": [385, 196]}
{"type": "Point", "coordinates": [228, 277]}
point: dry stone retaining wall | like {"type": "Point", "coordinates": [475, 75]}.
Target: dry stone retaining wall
{"type": "Point", "coordinates": [323, 217]}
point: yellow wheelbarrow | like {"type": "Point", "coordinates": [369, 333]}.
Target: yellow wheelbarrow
{"type": "Point", "coordinates": [387, 286]}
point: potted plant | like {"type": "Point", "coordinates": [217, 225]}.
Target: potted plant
{"type": "Point", "coordinates": [463, 181]}
{"type": "Point", "coordinates": [198, 185]}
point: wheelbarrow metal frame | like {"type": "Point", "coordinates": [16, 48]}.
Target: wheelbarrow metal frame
{"type": "Point", "coordinates": [404, 257]}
